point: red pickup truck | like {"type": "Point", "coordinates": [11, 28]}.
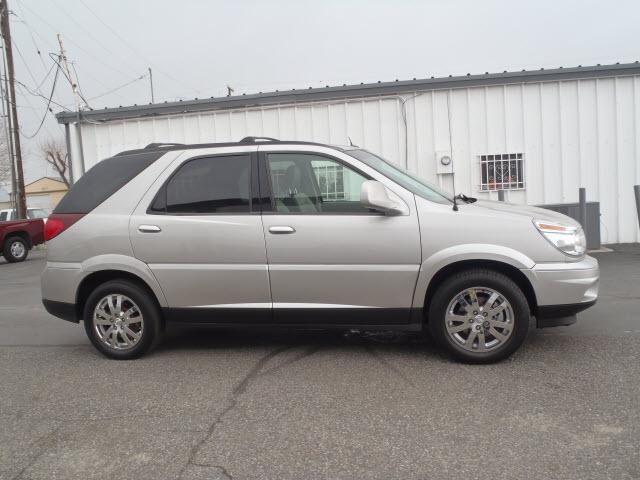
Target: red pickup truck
{"type": "Point", "coordinates": [20, 236]}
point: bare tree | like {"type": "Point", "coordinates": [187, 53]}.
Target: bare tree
{"type": "Point", "coordinates": [5, 160]}
{"type": "Point", "coordinates": [56, 155]}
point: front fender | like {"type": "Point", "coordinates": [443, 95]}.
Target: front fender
{"type": "Point", "coordinates": [458, 253]}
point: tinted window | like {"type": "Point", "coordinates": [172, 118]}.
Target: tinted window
{"type": "Point", "coordinates": [3, 216]}
{"type": "Point", "coordinates": [304, 183]}
{"type": "Point", "coordinates": [103, 180]}
{"type": "Point", "coordinates": [210, 185]}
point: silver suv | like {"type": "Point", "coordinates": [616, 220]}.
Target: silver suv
{"type": "Point", "coordinates": [301, 235]}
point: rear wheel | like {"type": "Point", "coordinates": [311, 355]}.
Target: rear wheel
{"type": "Point", "coordinates": [15, 249]}
{"type": "Point", "coordinates": [479, 316]}
{"type": "Point", "coordinates": [121, 320]}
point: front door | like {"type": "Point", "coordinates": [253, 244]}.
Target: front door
{"type": "Point", "coordinates": [202, 237]}
{"type": "Point", "coordinates": [332, 261]}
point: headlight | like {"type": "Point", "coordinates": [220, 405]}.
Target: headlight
{"type": "Point", "coordinates": [566, 238]}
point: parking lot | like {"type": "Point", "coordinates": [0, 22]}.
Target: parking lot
{"type": "Point", "coordinates": [214, 405]}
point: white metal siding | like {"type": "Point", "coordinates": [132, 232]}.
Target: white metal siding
{"type": "Point", "coordinates": [572, 133]}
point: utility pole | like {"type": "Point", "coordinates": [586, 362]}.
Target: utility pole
{"type": "Point", "coordinates": [7, 128]}
{"type": "Point", "coordinates": [21, 203]}
{"type": "Point", "coordinates": [151, 84]}
{"type": "Point", "coordinates": [229, 91]}
{"type": "Point", "coordinates": [74, 83]}
{"type": "Point", "coordinates": [76, 95]}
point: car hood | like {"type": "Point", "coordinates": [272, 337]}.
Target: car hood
{"type": "Point", "coordinates": [523, 210]}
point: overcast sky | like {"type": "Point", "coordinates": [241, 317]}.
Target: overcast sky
{"type": "Point", "coordinates": [197, 47]}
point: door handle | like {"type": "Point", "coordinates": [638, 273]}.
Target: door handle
{"type": "Point", "coordinates": [281, 229]}
{"type": "Point", "coordinates": [149, 229]}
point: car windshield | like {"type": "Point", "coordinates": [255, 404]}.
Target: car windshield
{"type": "Point", "coordinates": [402, 177]}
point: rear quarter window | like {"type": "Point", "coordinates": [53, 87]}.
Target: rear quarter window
{"type": "Point", "coordinates": [103, 180]}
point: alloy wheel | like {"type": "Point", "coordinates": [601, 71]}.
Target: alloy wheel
{"type": "Point", "coordinates": [118, 322]}
{"type": "Point", "coordinates": [479, 319]}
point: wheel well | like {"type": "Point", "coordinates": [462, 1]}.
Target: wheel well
{"type": "Point", "coordinates": [92, 281]}
{"type": "Point", "coordinates": [510, 271]}
{"type": "Point", "coordinates": [22, 234]}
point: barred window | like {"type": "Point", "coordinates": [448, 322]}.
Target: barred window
{"type": "Point", "coordinates": [330, 177]}
{"type": "Point", "coordinates": [502, 171]}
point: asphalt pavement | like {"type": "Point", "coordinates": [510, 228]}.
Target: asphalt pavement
{"type": "Point", "coordinates": [216, 405]}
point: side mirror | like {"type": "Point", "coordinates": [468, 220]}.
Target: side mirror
{"type": "Point", "coordinates": [374, 195]}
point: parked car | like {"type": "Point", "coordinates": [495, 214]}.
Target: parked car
{"type": "Point", "coordinates": [303, 235]}
{"type": "Point", "coordinates": [9, 214]}
{"type": "Point", "coordinates": [18, 237]}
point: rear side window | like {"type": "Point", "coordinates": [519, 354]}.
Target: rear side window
{"type": "Point", "coordinates": [207, 185]}
{"type": "Point", "coordinates": [103, 180]}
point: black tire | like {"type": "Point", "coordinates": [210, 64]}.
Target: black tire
{"type": "Point", "coordinates": [9, 256]}
{"type": "Point", "coordinates": [152, 318]}
{"type": "Point", "coordinates": [457, 283]}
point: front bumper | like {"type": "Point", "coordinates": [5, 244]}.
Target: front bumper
{"type": "Point", "coordinates": [63, 310]}
{"type": "Point", "coordinates": [563, 289]}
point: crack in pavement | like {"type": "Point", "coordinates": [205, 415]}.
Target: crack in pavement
{"type": "Point", "coordinates": [389, 366]}
{"type": "Point", "coordinates": [221, 470]}
{"type": "Point", "coordinates": [224, 471]}
{"type": "Point", "coordinates": [235, 393]}
{"type": "Point", "coordinates": [45, 439]}
{"type": "Point", "coordinates": [307, 352]}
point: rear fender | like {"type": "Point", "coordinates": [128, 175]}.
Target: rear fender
{"type": "Point", "coordinates": [127, 264]}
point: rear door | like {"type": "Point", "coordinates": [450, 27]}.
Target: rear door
{"type": "Point", "coordinates": [332, 261]}
{"type": "Point", "coordinates": [200, 231]}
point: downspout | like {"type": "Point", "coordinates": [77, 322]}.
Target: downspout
{"type": "Point", "coordinates": [403, 111]}
{"type": "Point", "coordinates": [80, 147]}
{"type": "Point", "coordinates": [67, 138]}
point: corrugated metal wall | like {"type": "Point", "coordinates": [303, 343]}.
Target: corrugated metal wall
{"type": "Point", "coordinates": [572, 133]}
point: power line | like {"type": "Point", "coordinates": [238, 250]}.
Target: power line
{"type": "Point", "coordinates": [36, 94]}
{"type": "Point", "coordinates": [32, 32]}
{"type": "Point", "coordinates": [96, 79]}
{"type": "Point", "coordinates": [47, 109]}
{"type": "Point", "coordinates": [45, 77]}
{"type": "Point", "coordinates": [135, 50]}
{"type": "Point", "coordinates": [141, 77]}
{"type": "Point", "coordinates": [86, 31]}
{"type": "Point", "coordinates": [26, 65]}
{"type": "Point", "coordinates": [33, 40]}
{"type": "Point", "coordinates": [80, 47]}
{"type": "Point", "coordinates": [67, 74]}
{"type": "Point", "coordinates": [80, 90]}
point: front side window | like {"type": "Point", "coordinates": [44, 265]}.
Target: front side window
{"type": "Point", "coordinates": [207, 186]}
{"type": "Point", "coordinates": [307, 183]}
{"type": "Point", "coordinates": [402, 177]}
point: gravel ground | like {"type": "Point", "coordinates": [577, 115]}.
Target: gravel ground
{"type": "Point", "coordinates": [217, 405]}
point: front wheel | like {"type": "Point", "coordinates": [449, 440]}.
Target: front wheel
{"type": "Point", "coordinates": [122, 320]}
{"type": "Point", "coordinates": [479, 316]}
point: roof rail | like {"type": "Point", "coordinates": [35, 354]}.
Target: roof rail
{"type": "Point", "coordinates": [164, 144]}
{"type": "Point", "coordinates": [257, 139]}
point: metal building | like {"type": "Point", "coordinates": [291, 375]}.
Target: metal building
{"type": "Point", "coordinates": [539, 135]}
